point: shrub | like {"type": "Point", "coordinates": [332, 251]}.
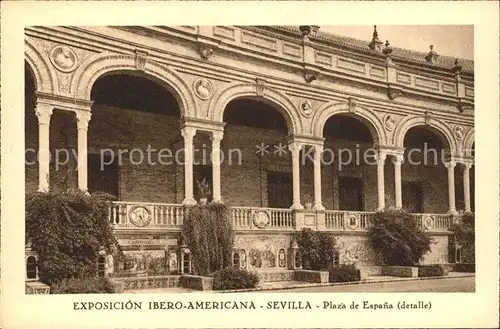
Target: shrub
{"type": "Point", "coordinates": [464, 233]}
{"type": "Point", "coordinates": [396, 236]}
{"type": "Point", "coordinates": [344, 273]}
{"type": "Point", "coordinates": [430, 270]}
{"type": "Point", "coordinates": [67, 230]}
{"type": "Point", "coordinates": [316, 248]}
{"type": "Point", "coordinates": [94, 285]}
{"type": "Point", "coordinates": [208, 233]}
{"type": "Point", "coordinates": [464, 267]}
{"type": "Point", "coordinates": [231, 278]}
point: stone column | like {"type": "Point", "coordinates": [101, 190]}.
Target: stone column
{"type": "Point", "coordinates": [380, 180]}
{"type": "Point", "coordinates": [188, 133]}
{"type": "Point", "coordinates": [43, 113]}
{"type": "Point", "coordinates": [295, 148]}
{"type": "Point", "coordinates": [398, 160]}
{"type": "Point", "coordinates": [318, 204]}
{"type": "Point", "coordinates": [216, 162]}
{"type": "Point", "coordinates": [82, 119]}
{"type": "Point", "coordinates": [467, 187]}
{"type": "Point", "coordinates": [451, 186]}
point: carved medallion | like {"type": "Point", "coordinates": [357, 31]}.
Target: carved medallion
{"type": "Point", "coordinates": [306, 108]}
{"type": "Point", "coordinates": [261, 219]}
{"type": "Point", "coordinates": [352, 222]}
{"type": "Point", "coordinates": [139, 216]}
{"type": "Point", "coordinates": [459, 132]}
{"type": "Point", "coordinates": [203, 88]}
{"type": "Point", "coordinates": [63, 58]}
{"type": "Point", "coordinates": [428, 222]}
{"type": "Point", "coordinates": [389, 122]}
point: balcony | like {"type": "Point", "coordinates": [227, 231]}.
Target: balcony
{"type": "Point", "coordinates": [147, 216]}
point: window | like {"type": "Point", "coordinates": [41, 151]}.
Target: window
{"type": "Point", "coordinates": [236, 260]}
{"type": "Point", "coordinates": [103, 174]}
{"type": "Point", "coordinates": [186, 266]}
{"type": "Point", "coordinates": [279, 189]}
{"type": "Point", "coordinates": [413, 197]}
{"type": "Point", "coordinates": [351, 193]}
{"type": "Point", "coordinates": [31, 268]}
{"type": "Point", "coordinates": [101, 266]}
{"type": "Point", "coordinates": [298, 260]}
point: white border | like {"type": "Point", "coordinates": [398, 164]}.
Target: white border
{"type": "Point", "coordinates": [478, 309]}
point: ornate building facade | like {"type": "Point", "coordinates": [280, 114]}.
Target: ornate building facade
{"type": "Point", "coordinates": [283, 107]}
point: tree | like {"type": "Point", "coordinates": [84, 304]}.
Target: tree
{"type": "Point", "coordinates": [67, 230]}
{"type": "Point", "coordinates": [464, 232]}
{"type": "Point", "coordinates": [317, 249]}
{"type": "Point", "coordinates": [396, 236]}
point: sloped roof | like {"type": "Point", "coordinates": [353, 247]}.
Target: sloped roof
{"type": "Point", "coordinates": [446, 62]}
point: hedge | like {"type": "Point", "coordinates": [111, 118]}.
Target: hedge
{"type": "Point", "coordinates": [465, 267]}
{"type": "Point", "coordinates": [430, 270]}
{"type": "Point", "coordinates": [344, 273]}
{"type": "Point", "coordinates": [231, 278]}
{"type": "Point", "coordinates": [94, 285]}
{"type": "Point", "coordinates": [67, 231]}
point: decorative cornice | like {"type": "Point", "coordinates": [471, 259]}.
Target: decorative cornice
{"type": "Point", "coordinates": [64, 102]}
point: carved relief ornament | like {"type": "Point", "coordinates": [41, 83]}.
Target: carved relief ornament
{"type": "Point", "coordinates": [63, 58]}
{"type": "Point", "coordinates": [203, 88]}
{"type": "Point", "coordinates": [306, 108]}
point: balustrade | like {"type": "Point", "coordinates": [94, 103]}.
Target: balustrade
{"type": "Point", "coordinates": [157, 215]}
{"type": "Point", "coordinates": [145, 215]}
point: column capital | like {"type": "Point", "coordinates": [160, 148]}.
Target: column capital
{"type": "Point", "coordinates": [295, 147]}
{"type": "Point", "coordinates": [82, 119]}
{"type": "Point", "coordinates": [380, 157]}
{"type": "Point", "coordinates": [467, 165]}
{"type": "Point", "coordinates": [43, 113]}
{"type": "Point", "coordinates": [318, 149]}
{"type": "Point", "coordinates": [398, 158]}
{"type": "Point", "coordinates": [216, 136]}
{"type": "Point", "coordinates": [450, 164]}
{"type": "Point", "coordinates": [188, 132]}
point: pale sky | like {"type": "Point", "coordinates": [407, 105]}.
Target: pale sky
{"type": "Point", "coordinates": [449, 40]}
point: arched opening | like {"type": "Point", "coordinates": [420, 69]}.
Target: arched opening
{"type": "Point", "coordinates": [424, 179]}
{"type": "Point", "coordinates": [31, 268]}
{"type": "Point", "coordinates": [101, 266]}
{"type": "Point", "coordinates": [349, 177]}
{"type": "Point", "coordinates": [256, 155]}
{"type": "Point", "coordinates": [30, 129]}
{"type": "Point", "coordinates": [133, 138]}
{"type": "Point", "coordinates": [236, 260]}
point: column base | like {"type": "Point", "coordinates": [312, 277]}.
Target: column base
{"type": "Point", "coordinates": [189, 202]}
{"type": "Point", "coordinates": [217, 201]}
{"type": "Point", "coordinates": [318, 206]}
{"type": "Point", "coordinates": [452, 212]}
{"type": "Point", "coordinates": [297, 206]}
{"type": "Point", "coordinates": [43, 189]}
